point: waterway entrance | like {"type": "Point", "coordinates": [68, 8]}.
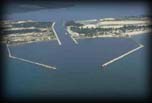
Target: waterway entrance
{"type": "Point", "coordinates": [63, 36]}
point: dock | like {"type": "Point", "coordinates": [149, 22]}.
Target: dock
{"type": "Point", "coordinates": [59, 42]}
{"type": "Point", "coordinates": [28, 61]}
{"type": "Point", "coordinates": [122, 56]}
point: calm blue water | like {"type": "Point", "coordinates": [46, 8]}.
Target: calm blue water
{"type": "Point", "coordinates": [78, 70]}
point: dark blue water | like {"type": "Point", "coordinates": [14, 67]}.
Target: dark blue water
{"type": "Point", "coordinates": [78, 70]}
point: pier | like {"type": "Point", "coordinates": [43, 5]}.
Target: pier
{"type": "Point", "coordinates": [59, 42]}
{"type": "Point", "coordinates": [29, 61]}
{"type": "Point", "coordinates": [122, 56]}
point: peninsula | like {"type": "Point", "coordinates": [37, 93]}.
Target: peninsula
{"type": "Point", "coordinates": [108, 27]}
{"type": "Point", "coordinates": [21, 32]}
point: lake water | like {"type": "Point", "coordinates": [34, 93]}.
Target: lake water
{"type": "Point", "coordinates": [78, 72]}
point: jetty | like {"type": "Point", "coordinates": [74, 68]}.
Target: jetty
{"type": "Point", "coordinates": [122, 56]}
{"type": "Point", "coordinates": [75, 41]}
{"type": "Point", "coordinates": [59, 42]}
{"type": "Point", "coordinates": [9, 52]}
{"type": "Point", "coordinates": [28, 61]}
{"type": "Point", "coordinates": [72, 33]}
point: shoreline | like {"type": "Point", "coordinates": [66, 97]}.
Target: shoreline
{"type": "Point", "coordinates": [45, 33]}
{"type": "Point", "coordinates": [29, 42]}
{"type": "Point", "coordinates": [126, 35]}
{"type": "Point", "coordinates": [108, 27]}
{"type": "Point", "coordinates": [111, 36]}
